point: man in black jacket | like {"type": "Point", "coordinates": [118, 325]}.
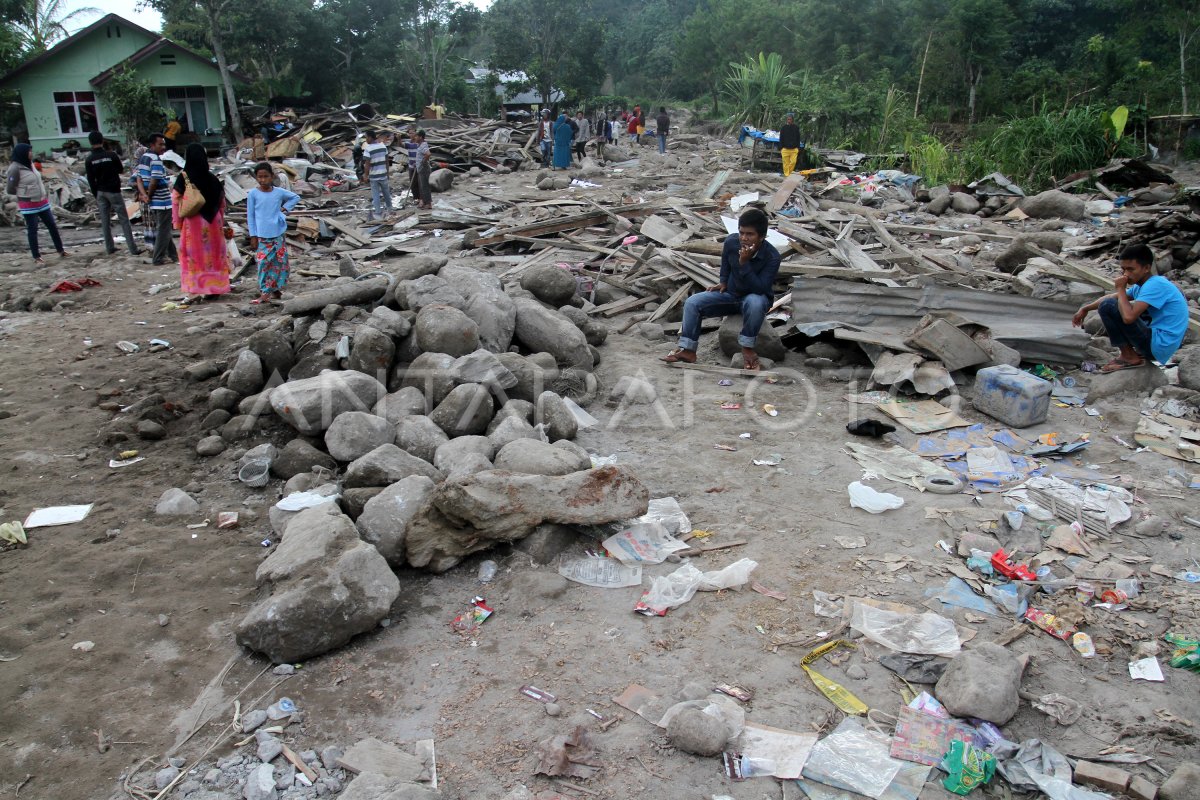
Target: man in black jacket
{"type": "Point", "coordinates": [789, 144]}
{"type": "Point", "coordinates": [749, 264]}
{"type": "Point", "coordinates": [103, 169]}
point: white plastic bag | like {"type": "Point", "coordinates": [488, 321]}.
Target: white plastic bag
{"type": "Point", "coordinates": [603, 573]}
{"type": "Point", "coordinates": [671, 591]}
{"type": "Point", "coordinates": [666, 512]}
{"type": "Point", "coordinates": [866, 498]}
{"type": "Point", "coordinates": [926, 634]}
{"type": "Point", "coordinates": [643, 543]}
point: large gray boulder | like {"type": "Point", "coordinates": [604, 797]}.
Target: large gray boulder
{"type": "Point", "coordinates": [428, 290]}
{"type": "Point", "coordinates": [386, 465]}
{"type": "Point", "coordinates": [420, 435]}
{"type": "Point", "coordinates": [274, 349]}
{"type": "Point", "coordinates": [410, 268]}
{"type": "Point", "coordinates": [356, 433]}
{"type": "Point", "coordinates": [310, 405]}
{"type": "Point", "coordinates": [487, 304]}
{"type": "Point", "coordinates": [982, 683]}
{"type": "Point", "coordinates": [473, 513]}
{"type": "Point", "coordinates": [280, 519]}
{"type": "Point", "coordinates": [510, 429]}
{"type": "Point", "coordinates": [445, 329]}
{"type": "Point", "coordinates": [593, 330]}
{"type": "Point", "coordinates": [1018, 252]}
{"type": "Point", "coordinates": [400, 404]}
{"type": "Point", "coordinates": [246, 375]}
{"type": "Point", "coordinates": [430, 372]}
{"type": "Point", "coordinates": [552, 412]}
{"type": "Point", "coordinates": [466, 410]}
{"type": "Point", "coordinates": [542, 329]}
{"type": "Point", "coordinates": [387, 320]}
{"type": "Point", "coordinates": [326, 586]}
{"type": "Point", "coordinates": [299, 456]}
{"type": "Point", "coordinates": [549, 283]}
{"type": "Point", "coordinates": [384, 520]}
{"type": "Point", "coordinates": [484, 368]}
{"type": "Point", "coordinates": [455, 449]}
{"type": "Point", "coordinates": [532, 378]}
{"type": "Point", "coordinates": [440, 180]}
{"type": "Point", "coordinates": [1189, 367]}
{"type": "Point", "coordinates": [1054, 204]}
{"type": "Point", "coordinates": [534, 457]}
{"type": "Point", "coordinates": [372, 352]}
{"type": "Point", "coordinates": [767, 345]}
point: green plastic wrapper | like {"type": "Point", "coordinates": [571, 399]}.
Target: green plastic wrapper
{"type": "Point", "coordinates": [968, 766]}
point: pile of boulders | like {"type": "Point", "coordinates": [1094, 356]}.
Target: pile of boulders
{"type": "Point", "coordinates": [425, 431]}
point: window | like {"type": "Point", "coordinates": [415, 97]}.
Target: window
{"type": "Point", "coordinates": [167, 59]}
{"type": "Point", "coordinates": [190, 105]}
{"type": "Point", "coordinates": [76, 112]}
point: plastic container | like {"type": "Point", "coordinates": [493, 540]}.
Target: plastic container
{"type": "Point", "coordinates": [487, 571]}
{"type": "Point", "coordinates": [1083, 645]}
{"type": "Point", "coordinates": [1011, 396]}
{"type": "Point", "coordinates": [255, 473]}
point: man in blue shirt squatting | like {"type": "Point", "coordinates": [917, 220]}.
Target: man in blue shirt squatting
{"type": "Point", "coordinates": [749, 264]}
{"type": "Point", "coordinates": [1146, 317]}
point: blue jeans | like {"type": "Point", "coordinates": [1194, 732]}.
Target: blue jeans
{"type": "Point", "coordinates": [752, 307]}
{"type": "Point", "coordinates": [31, 226]}
{"type": "Point", "coordinates": [547, 151]}
{"type": "Point", "coordinates": [662, 143]}
{"type": "Point", "coordinates": [381, 197]}
{"type": "Point", "coordinates": [1136, 334]}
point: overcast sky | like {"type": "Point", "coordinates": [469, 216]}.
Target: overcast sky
{"type": "Point", "coordinates": [148, 17]}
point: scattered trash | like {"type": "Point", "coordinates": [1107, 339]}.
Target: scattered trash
{"type": "Point", "coordinates": [772, 460]}
{"type": "Point", "coordinates": [227, 520]}
{"type": "Point", "coordinates": [673, 590]}
{"type": "Point", "coordinates": [1146, 669]}
{"type": "Point", "coordinates": [487, 571]}
{"type": "Point", "coordinates": [968, 767]}
{"type": "Point", "coordinates": [603, 573]}
{"type": "Point", "coordinates": [13, 533]}
{"type": "Point", "coordinates": [57, 515]}
{"type": "Point", "coordinates": [837, 694]}
{"type": "Point", "coordinates": [84, 646]}
{"type": "Point", "coordinates": [905, 630]}
{"type": "Point", "coordinates": [469, 621]}
{"type": "Point", "coordinates": [571, 756]}
{"type": "Point", "coordinates": [1064, 710]}
{"type": "Point", "coordinates": [127, 347]}
{"type": "Point", "coordinates": [870, 500]}
{"type": "Point", "coordinates": [538, 694]}
{"type": "Point", "coordinates": [770, 410]}
{"type": "Point", "coordinates": [298, 501]}
{"type": "Point", "coordinates": [126, 462]}
{"type": "Point", "coordinates": [643, 543]}
{"type": "Point", "coordinates": [924, 738]}
{"type": "Point", "coordinates": [1050, 623]}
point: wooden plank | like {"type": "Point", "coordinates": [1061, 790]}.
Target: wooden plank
{"type": "Point", "coordinates": [717, 370]}
{"type": "Point", "coordinates": [889, 241]}
{"type": "Point", "coordinates": [812, 271]}
{"type": "Point", "coordinates": [851, 254]}
{"type": "Point", "coordinates": [617, 306]}
{"type": "Point", "coordinates": [350, 233]}
{"type": "Point", "coordinates": [985, 235]}
{"type": "Point", "coordinates": [299, 764]}
{"type": "Point", "coordinates": [656, 228]}
{"type": "Point", "coordinates": [567, 223]}
{"type": "Point", "coordinates": [678, 296]}
{"type": "Point", "coordinates": [785, 191]}
{"type": "Point", "coordinates": [715, 184]}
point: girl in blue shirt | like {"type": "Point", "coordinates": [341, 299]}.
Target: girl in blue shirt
{"type": "Point", "coordinates": [266, 216]}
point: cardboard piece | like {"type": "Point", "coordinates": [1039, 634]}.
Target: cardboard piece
{"type": "Point", "coordinates": [56, 515]}
{"type": "Point", "coordinates": [923, 416]}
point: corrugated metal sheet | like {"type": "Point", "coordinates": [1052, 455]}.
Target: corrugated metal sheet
{"type": "Point", "coordinates": [1039, 330]}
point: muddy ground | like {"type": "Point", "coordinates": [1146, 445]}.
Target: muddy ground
{"type": "Point", "coordinates": [146, 688]}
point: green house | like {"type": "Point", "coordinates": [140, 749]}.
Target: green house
{"type": "Point", "coordinates": [59, 94]}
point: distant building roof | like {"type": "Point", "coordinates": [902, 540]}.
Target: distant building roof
{"type": "Point", "coordinates": [522, 98]}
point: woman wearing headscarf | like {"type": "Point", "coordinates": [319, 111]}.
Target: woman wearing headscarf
{"type": "Point", "coordinates": [563, 134]}
{"type": "Point", "coordinates": [32, 200]}
{"type": "Point", "coordinates": [203, 259]}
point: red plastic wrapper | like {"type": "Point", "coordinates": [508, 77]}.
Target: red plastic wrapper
{"type": "Point", "coordinates": [1049, 623]}
{"type": "Point", "coordinates": [469, 621]}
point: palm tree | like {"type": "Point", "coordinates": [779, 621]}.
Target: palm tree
{"type": "Point", "coordinates": [40, 23]}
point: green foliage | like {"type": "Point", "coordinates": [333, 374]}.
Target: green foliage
{"type": "Point", "coordinates": [758, 91]}
{"type": "Point", "coordinates": [556, 42]}
{"type": "Point", "coordinates": [1119, 117]}
{"type": "Point", "coordinates": [1036, 150]}
{"type": "Point", "coordinates": [40, 23]}
{"type": "Point", "coordinates": [133, 104]}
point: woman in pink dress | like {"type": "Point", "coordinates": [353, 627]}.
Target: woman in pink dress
{"type": "Point", "coordinates": [203, 259]}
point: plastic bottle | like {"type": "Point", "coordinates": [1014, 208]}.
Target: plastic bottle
{"type": "Point", "coordinates": [757, 767]}
{"type": "Point", "coordinates": [1083, 644]}
{"type": "Point", "coordinates": [487, 571]}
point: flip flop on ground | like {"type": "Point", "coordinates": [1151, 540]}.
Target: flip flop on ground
{"type": "Point", "coordinates": [680, 355]}
{"type": "Point", "coordinates": [1119, 363]}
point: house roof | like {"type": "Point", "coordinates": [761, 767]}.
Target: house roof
{"type": "Point", "coordinates": [152, 48]}
{"type": "Point", "coordinates": [158, 42]}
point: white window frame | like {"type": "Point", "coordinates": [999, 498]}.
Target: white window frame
{"type": "Point", "coordinates": [75, 105]}
{"type": "Point", "coordinates": [203, 97]}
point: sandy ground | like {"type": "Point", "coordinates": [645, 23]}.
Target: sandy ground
{"type": "Point", "coordinates": [146, 687]}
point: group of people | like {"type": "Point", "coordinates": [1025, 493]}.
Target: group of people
{"type": "Point", "coordinates": [192, 202]}
{"type": "Point", "coordinates": [372, 162]}
{"type": "Point", "coordinates": [559, 139]}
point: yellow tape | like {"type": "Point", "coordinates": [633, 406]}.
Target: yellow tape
{"type": "Point", "coordinates": [837, 694]}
